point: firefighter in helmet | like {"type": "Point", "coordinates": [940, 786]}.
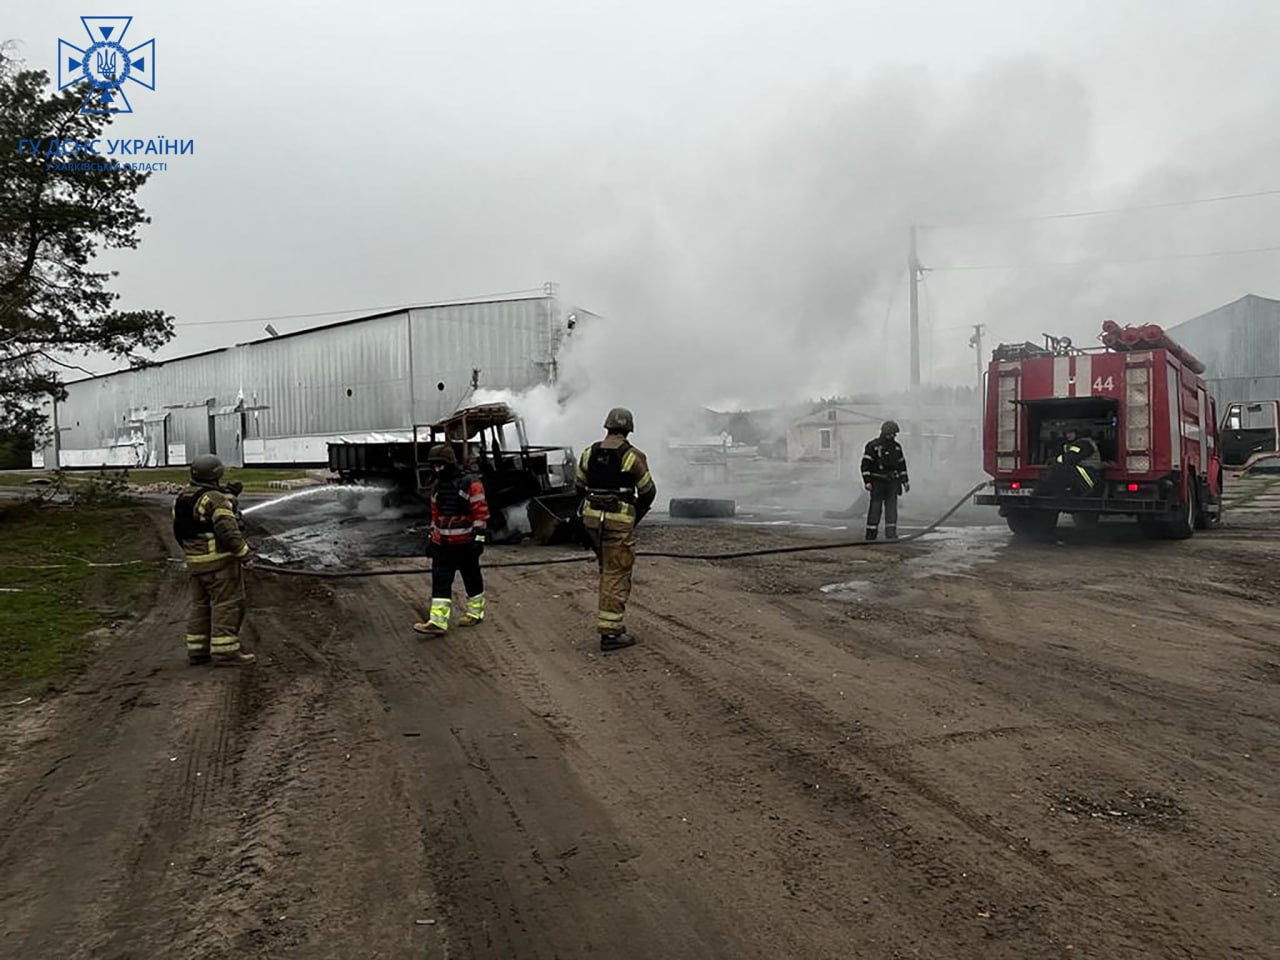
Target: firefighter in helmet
{"type": "Point", "coordinates": [459, 526]}
{"type": "Point", "coordinates": [617, 489]}
{"type": "Point", "coordinates": [208, 527]}
{"type": "Point", "coordinates": [1081, 458]}
{"type": "Point", "coordinates": [884, 474]}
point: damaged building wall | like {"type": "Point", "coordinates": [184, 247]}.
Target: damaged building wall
{"type": "Point", "coordinates": [280, 400]}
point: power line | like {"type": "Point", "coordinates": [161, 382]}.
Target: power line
{"type": "Point", "coordinates": [1105, 211]}
{"type": "Point", "coordinates": [1104, 262]}
{"type": "Point", "coordinates": [332, 313]}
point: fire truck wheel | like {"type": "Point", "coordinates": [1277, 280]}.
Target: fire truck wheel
{"type": "Point", "coordinates": [1032, 524]}
{"type": "Point", "coordinates": [1182, 526]}
{"type": "Point", "coordinates": [1210, 517]}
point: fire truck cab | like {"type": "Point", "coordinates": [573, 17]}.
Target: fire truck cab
{"type": "Point", "coordinates": [1142, 401]}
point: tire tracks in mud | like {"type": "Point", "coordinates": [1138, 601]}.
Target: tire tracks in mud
{"type": "Point", "coordinates": [769, 829]}
{"type": "Point", "coordinates": [526, 862]}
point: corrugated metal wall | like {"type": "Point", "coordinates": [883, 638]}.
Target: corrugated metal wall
{"type": "Point", "coordinates": [347, 378]}
{"type": "Point", "coordinates": [1239, 344]}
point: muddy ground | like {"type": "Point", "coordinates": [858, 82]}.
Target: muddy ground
{"type": "Point", "coordinates": [956, 748]}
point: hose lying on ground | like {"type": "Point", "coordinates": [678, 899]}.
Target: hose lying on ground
{"type": "Point", "coordinates": [735, 555]}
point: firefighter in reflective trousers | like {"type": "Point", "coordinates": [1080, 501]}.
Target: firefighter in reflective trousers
{"type": "Point", "coordinates": [617, 489]}
{"type": "Point", "coordinates": [459, 524]}
{"type": "Point", "coordinates": [884, 473]}
{"type": "Point", "coordinates": [207, 527]}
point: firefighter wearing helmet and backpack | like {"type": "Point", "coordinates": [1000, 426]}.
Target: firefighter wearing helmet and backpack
{"type": "Point", "coordinates": [459, 525]}
{"type": "Point", "coordinates": [207, 525]}
{"type": "Point", "coordinates": [884, 473]}
{"type": "Point", "coordinates": [617, 489]}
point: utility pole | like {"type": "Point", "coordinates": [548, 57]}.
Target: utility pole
{"type": "Point", "coordinates": [913, 271]}
{"type": "Point", "coordinates": [975, 341]}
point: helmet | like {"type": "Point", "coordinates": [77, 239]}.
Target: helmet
{"type": "Point", "coordinates": [206, 468]}
{"type": "Point", "coordinates": [443, 454]}
{"type": "Point", "coordinates": [620, 418]}
{"type": "Point", "coordinates": [888, 428]}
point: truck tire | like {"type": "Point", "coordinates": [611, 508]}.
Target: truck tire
{"type": "Point", "coordinates": [1183, 524]}
{"type": "Point", "coordinates": [1032, 524]}
{"type": "Point", "coordinates": [701, 509]}
{"type": "Point", "coordinates": [1210, 516]}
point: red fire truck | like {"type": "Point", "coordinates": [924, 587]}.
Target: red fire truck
{"type": "Point", "coordinates": [1139, 397]}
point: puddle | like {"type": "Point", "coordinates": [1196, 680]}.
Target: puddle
{"type": "Point", "coordinates": [849, 588]}
{"type": "Point", "coordinates": [954, 551]}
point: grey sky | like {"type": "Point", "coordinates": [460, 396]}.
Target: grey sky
{"type": "Point", "coordinates": [733, 178]}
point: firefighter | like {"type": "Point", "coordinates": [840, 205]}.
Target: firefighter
{"type": "Point", "coordinates": [1080, 454]}
{"type": "Point", "coordinates": [617, 489]}
{"type": "Point", "coordinates": [207, 527]}
{"type": "Point", "coordinates": [459, 526]}
{"type": "Point", "coordinates": [884, 474]}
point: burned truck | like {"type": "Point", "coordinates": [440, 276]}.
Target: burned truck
{"type": "Point", "coordinates": [490, 441]}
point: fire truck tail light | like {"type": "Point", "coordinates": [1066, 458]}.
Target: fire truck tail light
{"type": "Point", "coordinates": [1138, 464]}
{"type": "Point", "coordinates": [1132, 488]}
{"type": "Point", "coordinates": [1016, 485]}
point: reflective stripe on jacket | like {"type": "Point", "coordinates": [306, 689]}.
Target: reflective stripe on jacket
{"type": "Point", "coordinates": [459, 510]}
{"type": "Point", "coordinates": [884, 461]}
{"type": "Point", "coordinates": [626, 496]}
{"type": "Point", "coordinates": [226, 542]}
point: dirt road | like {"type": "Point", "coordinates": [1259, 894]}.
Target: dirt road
{"type": "Point", "coordinates": [959, 749]}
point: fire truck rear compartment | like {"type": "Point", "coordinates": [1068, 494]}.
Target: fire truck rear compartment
{"type": "Point", "coordinates": [1049, 420]}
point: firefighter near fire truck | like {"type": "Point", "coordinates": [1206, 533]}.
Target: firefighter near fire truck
{"type": "Point", "coordinates": [1076, 471]}
{"type": "Point", "coordinates": [617, 491]}
{"type": "Point", "coordinates": [207, 526]}
{"type": "Point", "coordinates": [1125, 429]}
{"type": "Point", "coordinates": [459, 525]}
{"type": "Point", "coordinates": [884, 474]}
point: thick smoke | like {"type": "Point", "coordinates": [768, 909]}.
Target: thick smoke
{"type": "Point", "coordinates": [774, 271]}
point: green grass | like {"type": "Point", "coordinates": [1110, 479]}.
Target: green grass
{"type": "Point", "coordinates": [51, 600]}
{"type": "Point", "coordinates": [253, 478]}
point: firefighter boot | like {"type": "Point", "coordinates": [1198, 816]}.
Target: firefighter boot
{"type": "Point", "coordinates": [871, 532]}
{"type": "Point", "coordinates": [890, 533]}
{"type": "Point", "coordinates": [615, 641]}
{"type": "Point", "coordinates": [437, 623]}
{"type": "Point", "coordinates": [475, 611]}
{"type": "Point", "coordinates": [241, 658]}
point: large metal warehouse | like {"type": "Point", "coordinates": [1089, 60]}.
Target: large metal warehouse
{"type": "Point", "coordinates": [1239, 344]}
{"type": "Point", "coordinates": [281, 400]}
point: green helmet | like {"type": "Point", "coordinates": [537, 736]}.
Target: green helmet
{"type": "Point", "coordinates": [206, 468]}
{"type": "Point", "coordinates": [620, 418]}
{"type": "Point", "coordinates": [442, 453]}
{"type": "Point", "coordinates": [889, 428]}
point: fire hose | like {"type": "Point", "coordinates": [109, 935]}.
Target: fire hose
{"type": "Point", "coordinates": [733, 555]}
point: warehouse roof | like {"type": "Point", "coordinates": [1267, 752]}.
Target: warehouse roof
{"type": "Point", "coordinates": [303, 332]}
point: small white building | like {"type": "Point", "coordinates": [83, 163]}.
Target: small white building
{"type": "Point", "coordinates": [835, 433]}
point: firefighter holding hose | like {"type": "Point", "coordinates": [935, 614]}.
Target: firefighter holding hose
{"type": "Point", "coordinates": [884, 474]}
{"type": "Point", "coordinates": [459, 525]}
{"type": "Point", "coordinates": [208, 527]}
